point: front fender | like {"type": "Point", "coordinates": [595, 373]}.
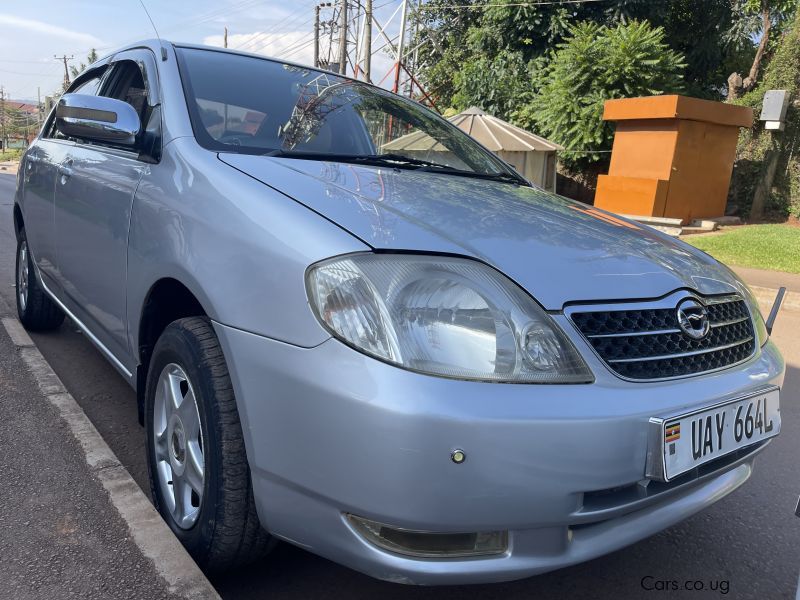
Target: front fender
{"type": "Point", "coordinates": [239, 246]}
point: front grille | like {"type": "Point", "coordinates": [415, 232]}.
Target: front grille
{"type": "Point", "coordinates": [649, 343]}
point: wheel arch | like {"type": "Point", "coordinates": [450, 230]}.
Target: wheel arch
{"type": "Point", "coordinates": [167, 300]}
{"type": "Point", "coordinates": [19, 222]}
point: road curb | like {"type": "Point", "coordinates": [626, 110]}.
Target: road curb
{"type": "Point", "coordinates": [148, 531]}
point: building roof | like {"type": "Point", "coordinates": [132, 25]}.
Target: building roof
{"type": "Point", "coordinates": [23, 106]}
{"type": "Point", "coordinates": [497, 135]}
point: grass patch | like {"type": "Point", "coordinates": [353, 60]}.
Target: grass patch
{"type": "Point", "coordinates": [772, 247]}
{"type": "Point", "coordinates": [11, 154]}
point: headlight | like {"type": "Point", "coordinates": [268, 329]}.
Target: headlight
{"type": "Point", "coordinates": [442, 316]}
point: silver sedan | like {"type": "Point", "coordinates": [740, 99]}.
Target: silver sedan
{"type": "Point", "coordinates": [403, 357]}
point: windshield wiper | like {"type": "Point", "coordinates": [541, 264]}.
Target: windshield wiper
{"type": "Point", "coordinates": [392, 160]}
{"type": "Point", "coordinates": [505, 177]}
{"type": "Point", "coordinates": [396, 161]}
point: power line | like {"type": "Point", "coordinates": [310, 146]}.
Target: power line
{"type": "Point", "coordinates": [508, 4]}
{"type": "Point", "coordinates": [292, 18]}
{"type": "Point", "coordinates": [296, 50]}
{"type": "Point", "coordinates": [31, 62]}
{"type": "Point", "coordinates": [266, 40]}
{"type": "Point", "coordinates": [196, 20]}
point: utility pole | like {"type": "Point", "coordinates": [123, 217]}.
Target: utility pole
{"type": "Point", "coordinates": [343, 38]}
{"type": "Point", "coordinates": [39, 105]}
{"type": "Point", "coordinates": [65, 59]}
{"type": "Point", "coordinates": [316, 35]}
{"type": "Point", "coordinates": [3, 140]}
{"type": "Point", "coordinates": [225, 38]}
{"type": "Point", "coordinates": [368, 40]}
{"type": "Point", "coordinates": [400, 47]}
{"type": "Point", "coordinates": [415, 54]}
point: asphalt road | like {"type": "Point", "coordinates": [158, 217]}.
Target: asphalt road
{"type": "Point", "coordinates": [746, 545]}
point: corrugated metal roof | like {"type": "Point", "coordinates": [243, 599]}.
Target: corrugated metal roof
{"type": "Point", "coordinates": [494, 133]}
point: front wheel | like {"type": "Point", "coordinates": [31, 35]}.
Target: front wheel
{"type": "Point", "coordinates": [36, 310]}
{"type": "Point", "coordinates": [199, 477]}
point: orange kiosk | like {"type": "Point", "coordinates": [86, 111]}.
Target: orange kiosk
{"type": "Point", "coordinates": [672, 156]}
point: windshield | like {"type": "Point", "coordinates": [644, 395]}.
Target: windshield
{"type": "Point", "coordinates": [261, 106]}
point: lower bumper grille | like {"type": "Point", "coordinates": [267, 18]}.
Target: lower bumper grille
{"type": "Point", "coordinates": [652, 343]}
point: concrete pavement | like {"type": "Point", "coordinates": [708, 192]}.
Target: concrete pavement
{"type": "Point", "coordinates": [59, 535]}
{"type": "Point", "coordinates": [9, 167]}
{"type": "Point", "coordinates": [769, 279]}
{"type": "Point", "coordinates": [748, 540]}
{"type": "Point", "coordinates": [73, 523]}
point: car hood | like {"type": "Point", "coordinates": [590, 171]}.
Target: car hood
{"type": "Point", "coordinates": [559, 250]}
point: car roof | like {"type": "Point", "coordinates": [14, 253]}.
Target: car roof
{"type": "Point", "coordinates": [156, 45]}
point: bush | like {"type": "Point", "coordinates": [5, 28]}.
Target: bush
{"type": "Point", "coordinates": [596, 63]}
{"type": "Point", "coordinates": [13, 154]}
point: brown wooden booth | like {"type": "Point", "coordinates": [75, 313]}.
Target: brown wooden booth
{"type": "Point", "coordinates": [672, 156]}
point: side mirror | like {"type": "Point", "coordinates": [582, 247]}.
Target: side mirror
{"type": "Point", "coordinates": [97, 119]}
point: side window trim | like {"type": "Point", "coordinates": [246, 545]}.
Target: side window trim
{"type": "Point", "coordinates": [146, 60]}
{"type": "Point", "coordinates": [48, 129]}
{"type": "Point", "coordinates": [149, 147]}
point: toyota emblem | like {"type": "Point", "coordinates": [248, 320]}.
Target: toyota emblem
{"type": "Point", "coordinates": [693, 318]}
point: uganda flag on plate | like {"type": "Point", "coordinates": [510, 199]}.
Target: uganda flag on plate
{"type": "Point", "coordinates": [672, 432]}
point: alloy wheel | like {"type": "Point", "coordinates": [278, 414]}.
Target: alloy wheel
{"type": "Point", "coordinates": [22, 275]}
{"type": "Point", "coordinates": [178, 446]}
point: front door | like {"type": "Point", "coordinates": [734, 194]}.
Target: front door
{"type": "Point", "coordinates": [94, 196]}
{"type": "Point", "coordinates": [93, 201]}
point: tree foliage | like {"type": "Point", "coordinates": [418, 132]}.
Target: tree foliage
{"type": "Point", "coordinates": [458, 43]}
{"type": "Point", "coordinates": [757, 19]}
{"type": "Point", "coordinates": [550, 67]}
{"type": "Point", "coordinates": [757, 146]}
{"type": "Point", "coordinates": [13, 122]}
{"type": "Point", "coordinates": [593, 64]}
{"type": "Point", "coordinates": [90, 58]}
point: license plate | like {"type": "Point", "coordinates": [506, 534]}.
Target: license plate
{"type": "Point", "coordinates": [692, 439]}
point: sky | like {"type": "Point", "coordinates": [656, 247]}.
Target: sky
{"type": "Point", "coordinates": [31, 33]}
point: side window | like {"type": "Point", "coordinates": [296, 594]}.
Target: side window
{"type": "Point", "coordinates": [122, 80]}
{"type": "Point", "coordinates": [87, 86]}
{"type": "Point", "coordinates": [126, 83]}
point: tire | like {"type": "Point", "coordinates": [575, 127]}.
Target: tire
{"type": "Point", "coordinates": [36, 310]}
{"type": "Point", "coordinates": [219, 527]}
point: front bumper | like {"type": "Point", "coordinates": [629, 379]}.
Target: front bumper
{"type": "Point", "coordinates": [330, 431]}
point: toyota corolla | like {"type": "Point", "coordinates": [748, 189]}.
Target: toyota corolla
{"type": "Point", "coordinates": [353, 328]}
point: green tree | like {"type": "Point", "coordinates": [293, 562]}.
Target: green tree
{"type": "Point", "coordinates": [459, 41]}
{"type": "Point", "coordinates": [766, 177]}
{"type": "Point", "coordinates": [90, 58]}
{"type": "Point", "coordinates": [761, 19]}
{"type": "Point", "coordinates": [497, 85]}
{"type": "Point", "coordinates": [593, 64]}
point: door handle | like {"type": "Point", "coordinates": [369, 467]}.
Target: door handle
{"type": "Point", "coordinates": [65, 170]}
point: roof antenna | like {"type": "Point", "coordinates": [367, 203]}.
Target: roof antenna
{"type": "Point", "coordinates": [147, 12]}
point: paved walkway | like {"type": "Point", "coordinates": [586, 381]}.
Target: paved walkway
{"type": "Point", "coordinates": [9, 166]}
{"type": "Point", "coordinates": [765, 284]}
{"type": "Point", "coordinates": [769, 279]}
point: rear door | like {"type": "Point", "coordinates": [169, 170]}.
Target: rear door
{"type": "Point", "coordinates": [40, 173]}
{"type": "Point", "coordinates": [93, 202]}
